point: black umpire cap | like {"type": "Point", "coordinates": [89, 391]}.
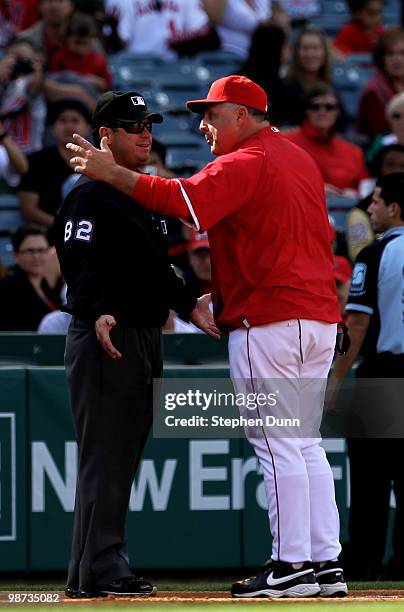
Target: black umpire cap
{"type": "Point", "coordinates": [122, 107]}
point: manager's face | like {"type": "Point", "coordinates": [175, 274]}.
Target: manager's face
{"type": "Point", "coordinates": [221, 127]}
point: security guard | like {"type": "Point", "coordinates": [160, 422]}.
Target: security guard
{"type": "Point", "coordinates": [114, 259]}
{"type": "Point", "coordinates": [376, 325]}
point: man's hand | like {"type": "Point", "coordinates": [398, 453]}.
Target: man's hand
{"type": "Point", "coordinates": [202, 317]}
{"type": "Point", "coordinates": [97, 164]}
{"type": "Point", "coordinates": [103, 327]}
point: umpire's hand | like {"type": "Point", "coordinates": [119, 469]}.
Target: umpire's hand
{"type": "Point", "coordinates": [202, 317]}
{"type": "Point", "coordinates": [103, 327]}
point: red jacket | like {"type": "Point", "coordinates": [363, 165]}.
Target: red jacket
{"type": "Point", "coordinates": [92, 63]}
{"type": "Point", "coordinates": [341, 163]}
{"type": "Point", "coordinates": [264, 208]}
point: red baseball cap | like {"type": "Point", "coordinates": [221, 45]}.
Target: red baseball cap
{"type": "Point", "coordinates": [233, 88]}
{"type": "Point", "coordinates": [198, 241]}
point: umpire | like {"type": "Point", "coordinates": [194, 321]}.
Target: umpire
{"type": "Point", "coordinates": [376, 325]}
{"type": "Point", "coordinates": [114, 259]}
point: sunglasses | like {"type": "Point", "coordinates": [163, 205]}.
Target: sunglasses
{"type": "Point", "coordinates": [327, 107]}
{"type": "Point", "coordinates": [138, 127]}
{"type": "Point", "coordinates": [397, 115]}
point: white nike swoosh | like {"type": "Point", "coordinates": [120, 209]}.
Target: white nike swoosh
{"type": "Point", "coordinates": [273, 581]}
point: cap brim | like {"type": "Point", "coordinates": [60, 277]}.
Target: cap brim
{"type": "Point", "coordinates": [199, 106]}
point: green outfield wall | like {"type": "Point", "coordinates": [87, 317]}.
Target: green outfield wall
{"type": "Point", "coordinates": [195, 503]}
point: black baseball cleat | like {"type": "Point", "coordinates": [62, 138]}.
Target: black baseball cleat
{"type": "Point", "coordinates": [75, 594]}
{"type": "Point", "coordinates": [331, 579]}
{"type": "Point", "coordinates": [279, 579]}
{"type": "Point", "coordinates": [130, 586]}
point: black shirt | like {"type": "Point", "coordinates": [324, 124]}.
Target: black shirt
{"type": "Point", "coordinates": [21, 308]}
{"type": "Point", "coordinates": [377, 289]}
{"type": "Point", "coordinates": [46, 174]}
{"type": "Point", "coordinates": [113, 256]}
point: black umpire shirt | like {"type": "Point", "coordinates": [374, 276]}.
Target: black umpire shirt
{"type": "Point", "coordinates": [113, 256]}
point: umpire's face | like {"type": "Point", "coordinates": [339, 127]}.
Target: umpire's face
{"type": "Point", "coordinates": [130, 148]}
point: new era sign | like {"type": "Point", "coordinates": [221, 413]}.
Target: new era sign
{"type": "Point", "coordinates": [8, 530]}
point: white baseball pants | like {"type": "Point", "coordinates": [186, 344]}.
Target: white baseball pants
{"type": "Point", "coordinates": [303, 514]}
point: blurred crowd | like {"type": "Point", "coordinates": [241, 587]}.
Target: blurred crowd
{"type": "Point", "coordinates": [55, 60]}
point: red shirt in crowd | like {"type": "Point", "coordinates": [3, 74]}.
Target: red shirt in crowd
{"type": "Point", "coordinates": [372, 105]}
{"type": "Point", "coordinates": [341, 163]}
{"type": "Point", "coordinates": [91, 63]}
{"type": "Point", "coordinates": [352, 39]}
{"type": "Point", "coordinates": [263, 206]}
{"type": "Point", "coordinates": [22, 13]}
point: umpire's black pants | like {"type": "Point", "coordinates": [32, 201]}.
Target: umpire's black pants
{"type": "Point", "coordinates": [376, 465]}
{"type": "Point", "coordinates": [111, 403]}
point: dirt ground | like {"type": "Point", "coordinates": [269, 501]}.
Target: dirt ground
{"type": "Point", "coordinates": [183, 597]}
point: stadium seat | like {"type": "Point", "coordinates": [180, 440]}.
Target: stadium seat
{"type": "Point", "coordinates": [338, 207]}
{"type": "Point", "coordinates": [173, 90]}
{"type": "Point", "coordinates": [181, 139]}
{"type": "Point", "coordinates": [9, 202]}
{"type": "Point", "coordinates": [10, 220]}
{"type": "Point", "coordinates": [349, 79]}
{"type": "Point", "coordinates": [172, 123]}
{"type": "Point", "coordinates": [188, 157]}
{"type": "Point", "coordinates": [6, 252]}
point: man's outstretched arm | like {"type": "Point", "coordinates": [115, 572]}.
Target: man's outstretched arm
{"type": "Point", "coordinates": [153, 192]}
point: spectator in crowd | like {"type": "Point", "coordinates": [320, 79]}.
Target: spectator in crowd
{"type": "Point", "coordinates": [199, 275]}
{"type": "Point", "coordinates": [376, 328]}
{"type": "Point", "coordinates": [310, 64]}
{"type": "Point", "coordinates": [25, 296]}
{"type": "Point", "coordinates": [40, 189]}
{"type": "Point", "coordinates": [156, 163]}
{"type": "Point", "coordinates": [78, 56]}
{"type": "Point", "coordinates": [341, 163]}
{"type": "Point", "coordinates": [3, 270]}
{"type": "Point", "coordinates": [13, 162]}
{"type": "Point", "coordinates": [16, 16]}
{"type": "Point", "coordinates": [389, 160]}
{"type": "Point", "coordinates": [342, 277]}
{"type": "Point", "coordinates": [386, 82]}
{"type": "Point", "coordinates": [236, 22]}
{"type": "Point", "coordinates": [57, 321]}
{"type": "Point", "coordinates": [156, 27]}
{"type": "Point", "coordinates": [49, 32]}
{"type": "Point", "coordinates": [264, 62]}
{"type": "Point", "coordinates": [21, 13]}
{"type": "Point", "coordinates": [342, 271]}
{"type": "Point", "coordinates": [395, 117]}
{"type": "Point", "coordinates": [361, 33]}
{"type": "Point", "coordinates": [22, 106]}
